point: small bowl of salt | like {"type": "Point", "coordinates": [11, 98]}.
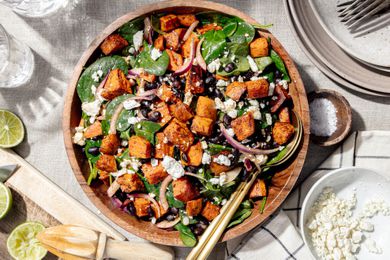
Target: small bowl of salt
{"type": "Point", "coordinates": [330, 116]}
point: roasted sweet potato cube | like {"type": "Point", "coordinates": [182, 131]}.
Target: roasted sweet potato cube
{"type": "Point", "coordinates": [165, 93]}
{"type": "Point", "coordinates": [142, 206]}
{"type": "Point", "coordinates": [258, 189]}
{"type": "Point", "coordinates": [202, 125]}
{"type": "Point", "coordinates": [210, 211]}
{"type": "Point", "coordinates": [194, 155]}
{"type": "Point", "coordinates": [181, 111]}
{"type": "Point", "coordinates": [205, 107]}
{"type": "Point", "coordinates": [113, 43]}
{"type": "Point", "coordinates": [163, 146]}
{"type": "Point", "coordinates": [284, 115]}
{"type": "Point", "coordinates": [172, 39]}
{"type": "Point", "coordinates": [163, 108]}
{"type": "Point", "coordinates": [208, 27]}
{"type": "Point", "coordinates": [235, 90]}
{"type": "Point", "coordinates": [106, 163]}
{"type": "Point", "coordinates": [175, 60]}
{"type": "Point", "coordinates": [186, 19]}
{"type": "Point", "coordinates": [147, 77]}
{"type": "Point", "coordinates": [244, 126]}
{"type": "Point", "coordinates": [116, 85]}
{"type": "Point", "coordinates": [259, 48]}
{"type": "Point", "coordinates": [130, 183]}
{"type": "Point", "coordinates": [257, 88]}
{"type": "Point", "coordinates": [93, 130]}
{"type": "Point", "coordinates": [217, 167]}
{"type": "Point", "coordinates": [110, 144]}
{"type": "Point", "coordinates": [159, 43]}
{"type": "Point", "coordinates": [154, 174]}
{"type": "Point", "coordinates": [139, 147]}
{"type": "Point", "coordinates": [184, 190]}
{"type": "Point", "coordinates": [194, 207]}
{"type": "Point", "coordinates": [282, 132]}
{"type": "Point", "coordinates": [194, 82]}
{"type": "Point", "coordinates": [104, 175]}
{"type": "Point", "coordinates": [169, 22]}
{"type": "Point", "coordinates": [178, 134]}
{"type": "Point", "coordinates": [186, 47]}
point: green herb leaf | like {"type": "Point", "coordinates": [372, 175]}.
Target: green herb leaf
{"type": "Point", "coordinates": [155, 21]}
{"type": "Point", "coordinates": [280, 65]}
{"type": "Point", "coordinates": [147, 129]}
{"type": "Point", "coordinates": [105, 127]}
{"type": "Point", "coordinates": [122, 124]}
{"type": "Point", "coordinates": [172, 202]}
{"type": "Point", "coordinates": [217, 148]}
{"type": "Point", "coordinates": [85, 83]}
{"type": "Point", "coordinates": [244, 33]}
{"type": "Point", "coordinates": [270, 76]}
{"type": "Point", "coordinates": [277, 157]}
{"type": "Point", "coordinates": [92, 174]}
{"type": "Point", "coordinates": [150, 188]}
{"type": "Point", "coordinates": [186, 235]}
{"type": "Point", "coordinates": [128, 30]}
{"type": "Point", "coordinates": [230, 28]}
{"type": "Point", "coordinates": [263, 202]}
{"type": "Point", "coordinates": [113, 104]}
{"type": "Point", "coordinates": [213, 45]}
{"type": "Point", "coordinates": [89, 144]}
{"type": "Point", "coordinates": [156, 67]}
{"type": "Point", "coordinates": [243, 212]}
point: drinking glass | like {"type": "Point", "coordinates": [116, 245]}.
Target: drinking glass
{"type": "Point", "coordinates": [34, 8]}
{"type": "Point", "coordinates": [16, 61]}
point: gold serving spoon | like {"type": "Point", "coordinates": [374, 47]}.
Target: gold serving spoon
{"type": "Point", "coordinates": [215, 230]}
{"type": "Point", "coordinates": [71, 242]}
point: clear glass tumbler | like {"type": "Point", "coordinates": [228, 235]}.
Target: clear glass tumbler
{"type": "Point", "coordinates": [16, 61]}
{"type": "Point", "coordinates": [34, 8]}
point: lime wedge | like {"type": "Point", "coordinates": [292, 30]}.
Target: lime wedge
{"type": "Point", "coordinates": [5, 200]}
{"type": "Point", "coordinates": [11, 129]}
{"type": "Point", "coordinates": [22, 243]}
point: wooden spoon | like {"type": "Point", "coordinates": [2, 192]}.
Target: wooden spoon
{"type": "Point", "coordinates": [71, 242]}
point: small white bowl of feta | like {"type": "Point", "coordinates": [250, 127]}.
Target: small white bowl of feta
{"type": "Point", "coordinates": [346, 215]}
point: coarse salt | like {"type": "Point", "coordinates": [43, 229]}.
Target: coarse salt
{"type": "Point", "coordinates": [323, 117]}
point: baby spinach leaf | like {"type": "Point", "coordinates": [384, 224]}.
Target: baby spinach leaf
{"type": "Point", "coordinates": [104, 64]}
{"type": "Point", "coordinates": [150, 188]}
{"type": "Point", "coordinates": [270, 76]}
{"type": "Point", "coordinates": [244, 33]}
{"type": "Point", "coordinates": [241, 65]}
{"type": "Point", "coordinates": [130, 28]}
{"type": "Point", "coordinates": [155, 21]}
{"type": "Point", "coordinates": [156, 67]}
{"type": "Point", "coordinates": [230, 28]}
{"type": "Point", "coordinates": [147, 129]}
{"type": "Point", "coordinates": [122, 124]}
{"type": "Point", "coordinates": [213, 45]}
{"type": "Point", "coordinates": [243, 212]}
{"type": "Point", "coordinates": [186, 235]}
{"type": "Point", "coordinates": [113, 104]}
{"type": "Point", "coordinates": [238, 49]}
{"type": "Point", "coordinates": [89, 144]}
{"type": "Point", "coordinates": [263, 62]}
{"type": "Point", "coordinates": [172, 202]}
{"type": "Point", "coordinates": [214, 17]}
{"type": "Point", "coordinates": [280, 65]}
{"type": "Point", "coordinates": [105, 127]}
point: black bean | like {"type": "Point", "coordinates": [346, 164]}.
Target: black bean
{"type": "Point", "coordinates": [154, 116]}
{"type": "Point", "coordinates": [170, 217]}
{"type": "Point", "coordinates": [248, 75]}
{"type": "Point", "coordinates": [227, 120]}
{"type": "Point", "coordinates": [210, 80]}
{"type": "Point", "coordinates": [143, 161]}
{"type": "Point", "coordinates": [183, 81]}
{"type": "Point", "coordinates": [121, 195]}
{"type": "Point", "coordinates": [217, 139]}
{"type": "Point", "coordinates": [192, 169]}
{"type": "Point", "coordinates": [218, 93]}
{"type": "Point", "coordinates": [131, 208]}
{"type": "Point", "coordinates": [145, 111]}
{"type": "Point", "coordinates": [146, 103]}
{"type": "Point", "coordinates": [94, 150]}
{"type": "Point", "coordinates": [83, 150]}
{"type": "Point", "coordinates": [150, 212]}
{"type": "Point", "coordinates": [95, 138]}
{"type": "Point", "coordinates": [184, 157]}
{"type": "Point", "coordinates": [176, 153]}
{"type": "Point", "coordinates": [229, 67]}
{"type": "Point", "coordinates": [278, 74]}
{"type": "Point", "coordinates": [150, 85]}
{"type": "Point", "coordinates": [176, 84]}
{"type": "Point", "coordinates": [174, 211]}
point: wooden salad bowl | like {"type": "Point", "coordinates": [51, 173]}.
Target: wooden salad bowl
{"type": "Point", "coordinates": [282, 183]}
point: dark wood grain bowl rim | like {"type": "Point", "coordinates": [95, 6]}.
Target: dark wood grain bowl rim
{"type": "Point", "coordinates": [283, 181]}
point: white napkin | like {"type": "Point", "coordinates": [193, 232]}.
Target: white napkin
{"type": "Point", "coordinates": [280, 237]}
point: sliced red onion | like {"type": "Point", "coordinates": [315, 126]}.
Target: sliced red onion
{"type": "Point", "coordinates": [281, 99]}
{"type": "Point", "coordinates": [147, 93]}
{"type": "Point", "coordinates": [190, 30]}
{"type": "Point", "coordinates": [188, 64]}
{"type": "Point", "coordinates": [136, 71]}
{"type": "Point", "coordinates": [148, 30]}
{"type": "Point", "coordinates": [168, 224]}
{"type": "Point", "coordinates": [147, 196]}
{"type": "Point", "coordinates": [101, 85]}
{"type": "Point", "coordinates": [199, 57]}
{"type": "Point", "coordinates": [248, 164]}
{"type": "Point", "coordinates": [117, 202]}
{"type": "Point", "coordinates": [163, 189]}
{"type": "Point", "coordinates": [236, 144]}
{"type": "Point", "coordinates": [114, 187]}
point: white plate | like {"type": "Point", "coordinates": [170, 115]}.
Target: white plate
{"type": "Point", "coordinates": [329, 57]}
{"type": "Point", "coordinates": [372, 47]}
{"type": "Point", "coordinates": [367, 184]}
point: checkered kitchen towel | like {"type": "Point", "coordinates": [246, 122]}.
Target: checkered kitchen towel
{"type": "Point", "coordinates": [280, 237]}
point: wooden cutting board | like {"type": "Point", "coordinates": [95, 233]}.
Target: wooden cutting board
{"type": "Point", "coordinates": [36, 198]}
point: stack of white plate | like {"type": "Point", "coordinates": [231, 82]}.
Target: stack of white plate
{"type": "Point", "coordinates": [360, 62]}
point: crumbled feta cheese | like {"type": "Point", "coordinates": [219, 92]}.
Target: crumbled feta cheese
{"type": "Point", "coordinates": [262, 105]}
{"type": "Point", "coordinates": [131, 50]}
{"type": "Point", "coordinates": [155, 54]}
{"type": "Point", "coordinates": [240, 104]}
{"type": "Point", "coordinates": [214, 66]}
{"type": "Point", "coordinates": [219, 104]}
{"type": "Point", "coordinates": [206, 158]}
{"type": "Point", "coordinates": [153, 220]}
{"type": "Point", "coordinates": [204, 145]}
{"type": "Point", "coordinates": [93, 89]}
{"type": "Point", "coordinates": [254, 108]}
{"type": "Point", "coordinates": [222, 160]}
{"type": "Point", "coordinates": [152, 195]}
{"type": "Point", "coordinates": [221, 83]}
{"type": "Point", "coordinates": [254, 102]}
{"type": "Point", "coordinates": [186, 221]}
{"type": "Point", "coordinates": [271, 89]}
{"type": "Point", "coordinates": [222, 179]}
{"type": "Point", "coordinates": [137, 39]}
{"type": "Point", "coordinates": [133, 120]}
{"type": "Point", "coordinates": [188, 98]}
{"type": "Point", "coordinates": [214, 181]}
{"type": "Point", "coordinates": [372, 247]}
{"type": "Point", "coordinates": [246, 35]}
{"type": "Point", "coordinates": [254, 78]}
{"type": "Point", "coordinates": [232, 113]}
{"type": "Point", "coordinates": [230, 132]}
{"type": "Point", "coordinates": [229, 104]}
{"type": "Point", "coordinates": [240, 79]}
{"type": "Point", "coordinates": [268, 118]}
{"type": "Point", "coordinates": [154, 162]}
{"type": "Point", "coordinates": [78, 137]}
{"type": "Point", "coordinates": [131, 104]}
{"type": "Point", "coordinates": [223, 202]}
{"type": "Point", "coordinates": [91, 108]}
{"type": "Point", "coordinates": [92, 119]}
{"type": "Point", "coordinates": [252, 63]}
{"type": "Point", "coordinates": [95, 77]}
{"type": "Point", "coordinates": [284, 84]}
{"type": "Point", "coordinates": [124, 143]}
{"type": "Point", "coordinates": [133, 162]}
{"type": "Point", "coordinates": [173, 167]}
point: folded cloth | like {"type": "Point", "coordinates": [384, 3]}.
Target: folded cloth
{"type": "Point", "coordinates": [280, 237]}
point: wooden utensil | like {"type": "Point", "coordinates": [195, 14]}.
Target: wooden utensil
{"type": "Point", "coordinates": [214, 231]}
{"type": "Point", "coordinates": [74, 242]}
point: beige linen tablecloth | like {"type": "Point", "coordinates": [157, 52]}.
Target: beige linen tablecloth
{"type": "Point", "coordinates": [58, 42]}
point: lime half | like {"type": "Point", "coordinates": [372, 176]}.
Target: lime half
{"type": "Point", "coordinates": [22, 243]}
{"type": "Point", "coordinates": [5, 200]}
{"type": "Point", "coordinates": [11, 129]}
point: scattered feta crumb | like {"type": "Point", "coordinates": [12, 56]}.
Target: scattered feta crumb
{"type": "Point", "coordinates": [268, 118]}
{"type": "Point", "coordinates": [221, 83]}
{"type": "Point", "coordinates": [78, 137]}
{"type": "Point", "coordinates": [252, 64]}
{"type": "Point", "coordinates": [131, 50]}
{"type": "Point", "coordinates": [271, 89]}
{"type": "Point", "coordinates": [137, 39]}
{"type": "Point", "coordinates": [284, 84]}
{"type": "Point", "coordinates": [188, 98]}
{"type": "Point", "coordinates": [222, 160]}
{"type": "Point", "coordinates": [91, 108]}
{"type": "Point", "coordinates": [154, 162]}
{"type": "Point", "coordinates": [240, 79]}
{"type": "Point", "coordinates": [93, 89]}
{"type": "Point", "coordinates": [153, 220]}
{"type": "Point", "coordinates": [230, 132]}
{"type": "Point", "coordinates": [186, 221]}
{"type": "Point", "coordinates": [206, 158]}
{"type": "Point", "coordinates": [155, 54]}
{"type": "Point", "coordinates": [214, 66]}
{"type": "Point", "coordinates": [124, 143]}
{"type": "Point", "coordinates": [204, 145]}
{"type": "Point", "coordinates": [133, 120]}
{"type": "Point", "coordinates": [173, 167]}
